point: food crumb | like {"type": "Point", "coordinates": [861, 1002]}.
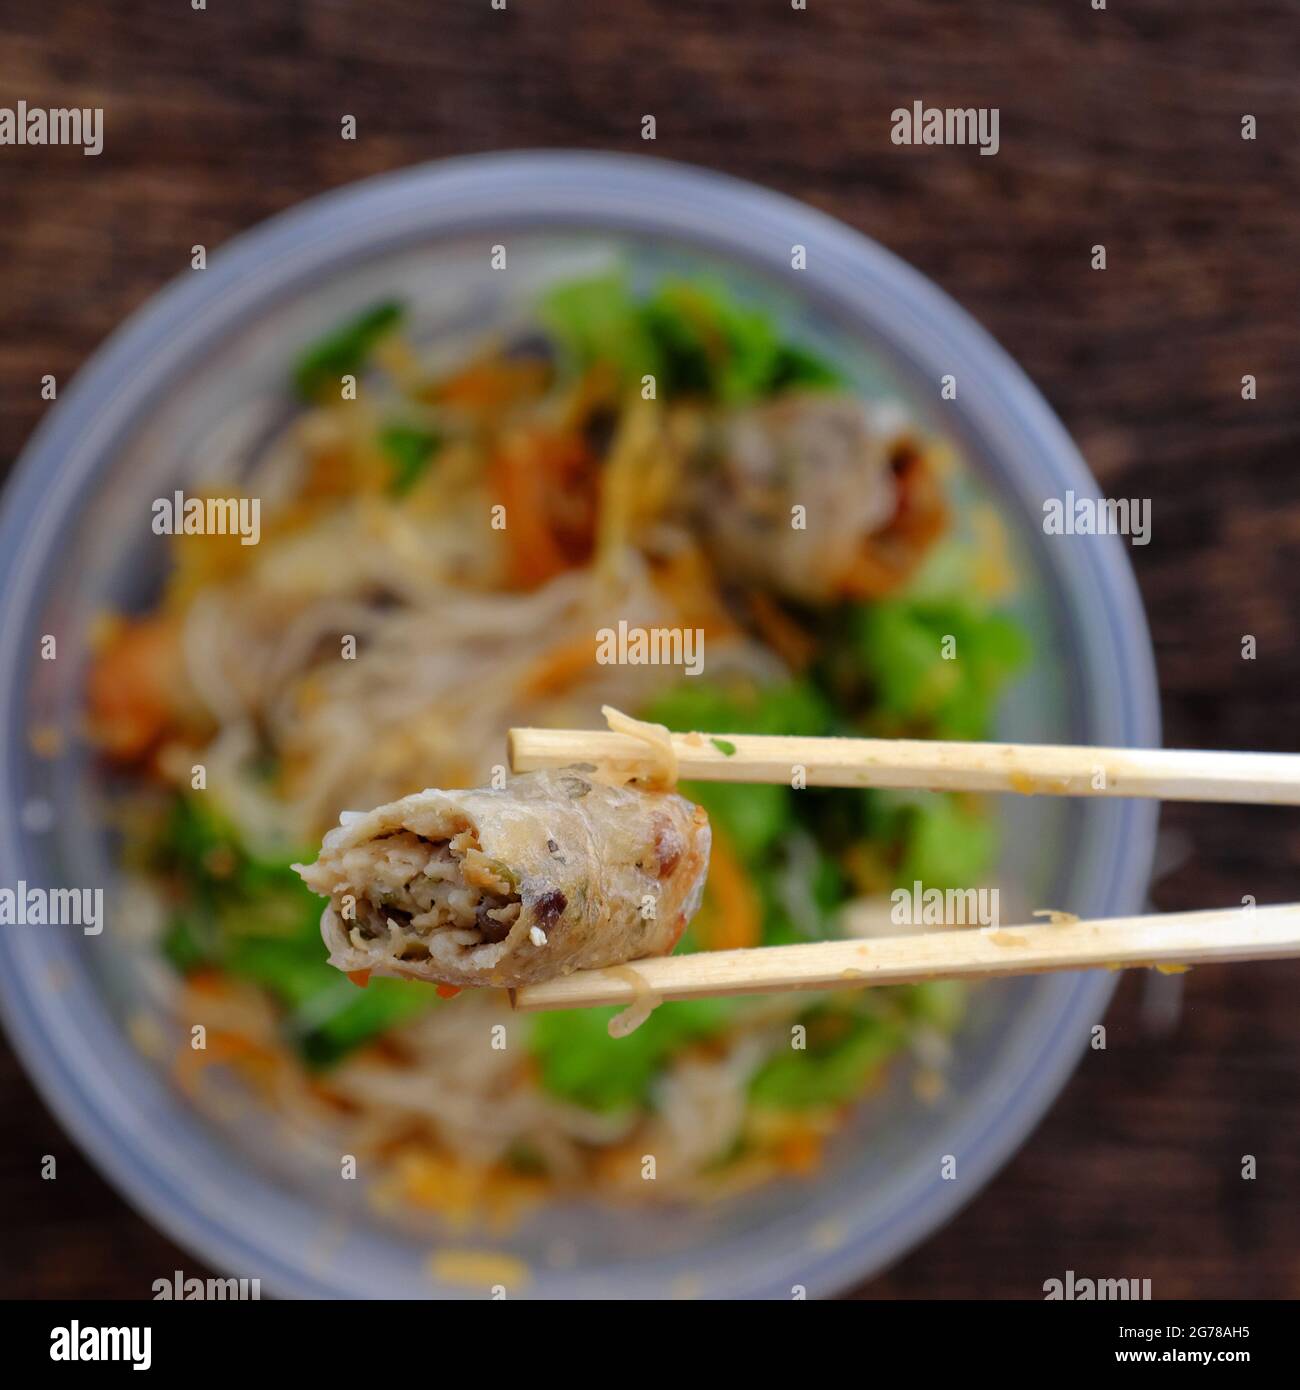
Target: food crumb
{"type": "Point", "coordinates": [929, 1086]}
{"type": "Point", "coordinates": [479, 1269]}
{"type": "Point", "coordinates": [147, 1034]}
{"type": "Point", "coordinates": [537, 936]}
{"type": "Point", "coordinates": [45, 740]}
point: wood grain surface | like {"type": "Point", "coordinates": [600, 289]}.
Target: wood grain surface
{"type": "Point", "coordinates": [1120, 127]}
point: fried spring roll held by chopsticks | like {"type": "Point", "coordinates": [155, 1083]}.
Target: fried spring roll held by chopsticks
{"type": "Point", "coordinates": [555, 872]}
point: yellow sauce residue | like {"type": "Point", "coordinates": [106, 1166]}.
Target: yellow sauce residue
{"type": "Point", "coordinates": [479, 1269]}
{"type": "Point", "coordinates": [1026, 785]}
{"type": "Point", "coordinates": [1054, 917]}
{"type": "Point", "coordinates": [1150, 965]}
{"type": "Point", "coordinates": [1006, 938]}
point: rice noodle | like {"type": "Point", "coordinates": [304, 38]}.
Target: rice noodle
{"type": "Point", "coordinates": [662, 765]}
{"type": "Point", "coordinates": [645, 1001]}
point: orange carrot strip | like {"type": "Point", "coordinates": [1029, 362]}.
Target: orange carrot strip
{"type": "Point", "coordinates": [738, 919]}
{"type": "Point", "coordinates": [560, 667]}
{"type": "Point", "coordinates": [517, 478]}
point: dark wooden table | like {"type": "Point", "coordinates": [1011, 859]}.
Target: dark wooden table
{"type": "Point", "coordinates": [1120, 127]}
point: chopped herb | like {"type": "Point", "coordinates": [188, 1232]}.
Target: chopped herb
{"type": "Point", "coordinates": [724, 746]}
{"type": "Point", "coordinates": [938, 665]}
{"type": "Point", "coordinates": [345, 351]}
{"type": "Point", "coordinates": [580, 1062]}
{"type": "Point", "coordinates": [832, 1069]}
{"type": "Point", "coordinates": [252, 917]}
{"type": "Point", "coordinates": [696, 337]}
{"type": "Point", "coordinates": [795, 366]}
{"type": "Point", "coordinates": [409, 449]}
{"type": "Point", "coordinates": [598, 320]}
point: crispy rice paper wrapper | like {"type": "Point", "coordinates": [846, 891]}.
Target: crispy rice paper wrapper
{"type": "Point", "coordinates": [557, 871]}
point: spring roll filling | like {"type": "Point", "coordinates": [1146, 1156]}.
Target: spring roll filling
{"type": "Point", "coordinates": [411, 888]}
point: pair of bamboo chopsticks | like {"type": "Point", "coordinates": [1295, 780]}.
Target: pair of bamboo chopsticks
{"type": "Point", "coordinates": [1185, 938]}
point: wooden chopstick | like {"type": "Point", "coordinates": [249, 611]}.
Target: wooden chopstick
{"type": "Point", "coordinates": [1185, 938]}
{"type": "Point", "coordinates": [1028, 768]}
{"type": "Point", "coordinates": [1175, 938]}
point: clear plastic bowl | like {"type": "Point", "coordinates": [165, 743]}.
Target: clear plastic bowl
{"type": "Point", "coordinates": [195, 379]}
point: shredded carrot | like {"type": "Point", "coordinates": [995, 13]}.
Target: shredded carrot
{"type": "Point", "coordinates": [618, 1165]}
{"type": "Point", "coordinates": [360, 978]}
{"type": "Point", "coordinates": [448, 991]}
{"type": "Point", "coordinates": [221, 1047]}
{"type": "Point", "coordinates": [518, 478]}
{"type": "Point", "coordinates": [736, 919]}
{"type": "Point", "coordinates": [782, 633]}
{"type": "Point", "coordinates": [330, 475]}
{"type": "Point", "coordinates": [560, 667]}
{"type": "Point", "coordinates": [136, 686]}
{"type": "Point", "coordinates": [800, 1151]}
{"type": "Point", "coordinates": [208, 981]}
{"type": "Point", "coordinates": [491, 383]}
